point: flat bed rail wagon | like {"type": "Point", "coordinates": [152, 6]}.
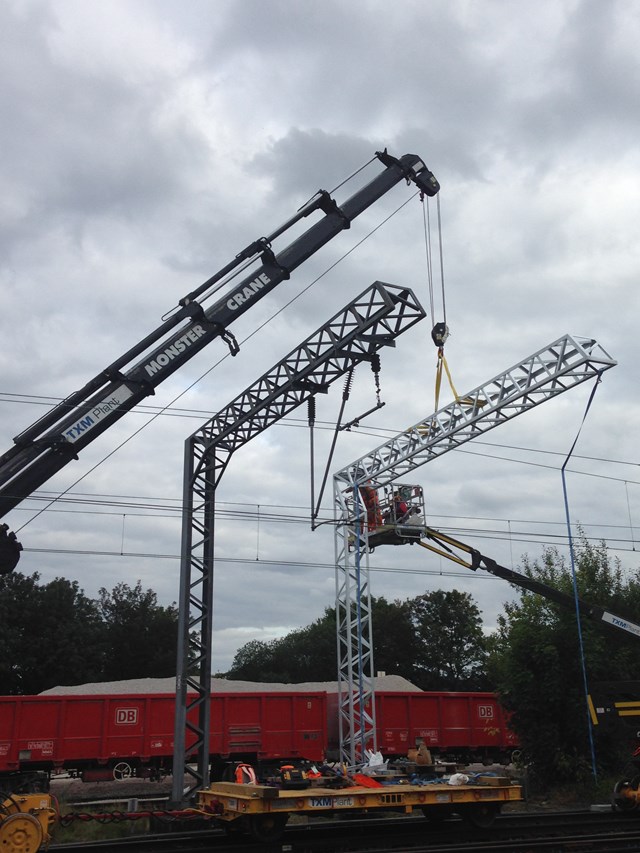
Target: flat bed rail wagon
{"type": "Point", "coordinates": [263, 811]}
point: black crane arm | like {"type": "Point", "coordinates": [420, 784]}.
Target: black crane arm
{"type": "Point", "coordinates": [445, 548]}
{"type": "Point", "coordinates": [55, 439]}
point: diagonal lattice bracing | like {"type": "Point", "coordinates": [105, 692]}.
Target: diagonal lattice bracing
{"type": "Point", "coordinates": [378, 314]}
{"type": "Point", "coordinates": [357, 333]}
{"type": "Point", "coordinates": [563, 364]}
{"type": "Point", "coordinates": [552, 370]}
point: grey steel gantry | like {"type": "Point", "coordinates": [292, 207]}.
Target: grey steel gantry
{"type": "Point", "coordinates": [558, 367]}
{"type": "Point", "coordinates": [371, 321]}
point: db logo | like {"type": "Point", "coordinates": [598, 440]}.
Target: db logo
{"type": "Point", "coordinates": [485, 712]}
{"type": "Point", "coordinates": [126, 716]}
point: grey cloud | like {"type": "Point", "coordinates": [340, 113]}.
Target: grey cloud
{"type": "Point", "coordinates": [121, 192]}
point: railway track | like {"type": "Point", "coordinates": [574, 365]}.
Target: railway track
{"type": "Point", "coordinates": [578, 832]}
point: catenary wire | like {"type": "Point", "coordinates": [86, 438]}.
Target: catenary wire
{"type": "Point", "coordinates": [292, 422]}
{"type": "Point", "coordinates": [113, 507]}
{"type": "Point", "coordinates": [271, 562]}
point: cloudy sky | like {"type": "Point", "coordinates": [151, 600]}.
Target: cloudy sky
{"type": "Point", "coordinates": [145, 142]}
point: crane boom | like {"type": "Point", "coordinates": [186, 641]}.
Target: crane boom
{"type": "Point", "coordinates": [55, 439]}
{"type": "Point", "coordinates": [445, 548]}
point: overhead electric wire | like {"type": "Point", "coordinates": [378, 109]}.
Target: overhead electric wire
{"type": "Point", "coordinates": [548, 467]}
{"type": "Point", "coordinates": [270, 562]}
{"type": "Point", "coordinates": [118, 505]}
{"type": "Point", "coordinates": [252, 561]}
{"type": "Point", "coordinates": [292, 422]}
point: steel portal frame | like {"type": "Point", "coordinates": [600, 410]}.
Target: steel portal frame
{"type": "Point", "coordinates": [550, 371]}
{"type": "Point", "coordinates": [371, 321]}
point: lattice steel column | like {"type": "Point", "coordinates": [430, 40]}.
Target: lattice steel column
{"type": "Point", "coordinates": [203, 468]}
{"type": "Point", "coordinates": [552, 370]}
{"type": "Point", "coordinates": [356, 334]}
{"type": "Point", "coordinates": [354, 633]}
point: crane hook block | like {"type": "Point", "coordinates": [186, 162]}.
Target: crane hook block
{"type": "Point", "coordinates": [9, 550]}
{"type": "Point", "coordinates": [439, 334]}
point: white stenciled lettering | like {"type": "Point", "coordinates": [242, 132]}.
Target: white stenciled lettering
{"type": "Point", "coordinates": [248, 291]}
{"type": "Point", "coordinates": [191, 336]}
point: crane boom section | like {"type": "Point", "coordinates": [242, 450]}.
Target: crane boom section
{"type": "Point", "coordinates": [446, 544]}
{"type": "Point", "coordinates": [54, 440]}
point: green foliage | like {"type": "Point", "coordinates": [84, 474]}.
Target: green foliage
{"type": "Point", "coordinates": [434, 640]}
{"type": "Point", "coordinates": [52, 634]}
{"type": "Point", "coordinates": [140, 636]}
{"type": "Point", "coordinates": [535, 661]}
{"type": "Point", "coordinates": [45, 634]}
{"type": "Point", "coordinates": [450, 649]}
{"type": "Point", "coordinates": [394, 637]}
{"type": "Point", "coordinates": [307, 654]}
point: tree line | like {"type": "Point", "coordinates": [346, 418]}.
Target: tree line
{"type": "Point", "coordinates": [52, 634]}
{"type": "Point", "coordinates": [435, 640]}
{"type": "Point", "coordinates": [536, 664]}
{"type": "Point", "coordinates": [533, 661]}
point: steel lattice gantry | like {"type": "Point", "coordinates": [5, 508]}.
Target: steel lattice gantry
{"type": "Point", "coordinates": [373, 320]}
{"type": "Point", "coordinates": [558, 367]}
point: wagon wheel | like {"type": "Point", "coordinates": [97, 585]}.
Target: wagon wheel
{"type": "Point", "coordinates": [481, 816]}
{"type": "Point", "coordinates": [267, 827]}
{"type": "Point", "coordinates": [21, 832]}
{"type": "Point", "coordinates": [122, 770]}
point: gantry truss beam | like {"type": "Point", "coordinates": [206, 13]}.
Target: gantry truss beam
{"type": "Point", "coordinates": [552, 370]}
{"type": "Point", "coordinates": [356, 334]}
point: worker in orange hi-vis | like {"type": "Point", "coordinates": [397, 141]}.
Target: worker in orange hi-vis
{"type": "Point", "coordinates": [372, 504]}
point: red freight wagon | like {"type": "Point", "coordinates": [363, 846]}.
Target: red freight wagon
{"type": "Point", "coordinates": [125, 734]}
{"type": "Point", "coordinates": [454, 726]}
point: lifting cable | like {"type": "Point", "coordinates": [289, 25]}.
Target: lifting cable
{"type": "Point", "coordinates": [440, 330]}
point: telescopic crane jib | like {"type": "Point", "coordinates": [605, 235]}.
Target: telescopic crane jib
{"type": "Point", "coordinates": [446, 546]}
{"type": "Point", "coordinates": [55, 439]}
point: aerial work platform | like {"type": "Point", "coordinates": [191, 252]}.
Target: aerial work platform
{"type": "Point", "coordinates": [395, 515]}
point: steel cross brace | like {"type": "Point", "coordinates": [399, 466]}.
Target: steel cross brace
{"type": "Point", "coordinates": [556, 368]}
{"type": "Point", "coordinates": [373, 320]}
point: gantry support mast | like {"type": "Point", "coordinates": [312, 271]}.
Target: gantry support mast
{"type": "Point", "coordinates": [558, 367]}
{"type": "Point", "coordinates": [371, 321]}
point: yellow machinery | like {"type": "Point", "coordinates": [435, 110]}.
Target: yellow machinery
{"type": "Point", "coordinates": [25, 822]}
{"type": "Point", "coordinates": [264, 811]}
